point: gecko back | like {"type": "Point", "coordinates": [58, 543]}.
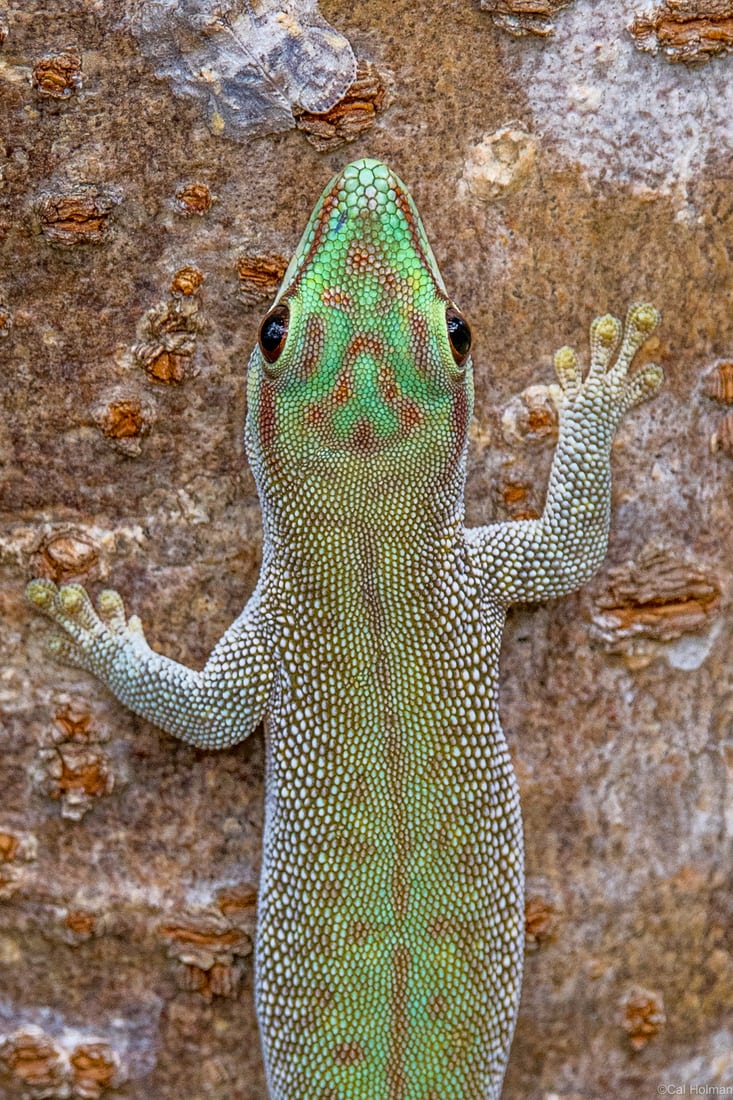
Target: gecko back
{"type": "Point", "coordinates": [390, 932]}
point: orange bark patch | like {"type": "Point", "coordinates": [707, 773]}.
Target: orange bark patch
{"type": "Point", "coordinates": [34, 1060]}
{"type": "Point", "coordinates": [643, 1016]}
{"type": "Point", "coordinates": [513, 493]}
{"type": "Point", "coordinates": [77, 218]}
{"type": "Point", "coordinates": [260, 276]}
{"type": "Point", "coordinates": [57, 75]}
{"type": "Point", "coordinates": [540, 919]}
{"type": "Point", "coordinates": [354, 113]}
{"type": "Point", "coordinates": [65, 555]}
{"type": "Point", "coordinates": [123, 419]}
{"type": "Point", "coordinates": [8, 847]}
{"type": "Point", "coordinates": [82, 771]}
{"type": "Point", "coordinates": [80, 922]}
{"type": "Point", "coordinates": [94, 1068]}
{"type": "Point", "coordinates": [686, 30]}
{"type": "Point", "coordinates": [202, 937]}
{"type": "Point", "coordinates": [186, 281]}
{"type": "Point", "coordinates": [520, 17]}
{"type": "Point", "coordinates": [194, 198]}
{"type": "Point", "coordinates": [657, 597]}
{"type": "Point", "coordinates": [237, 899]}
{"type": "Point", "coordinates": [718, 382]}
{"type": "Point", "coordinates": [168, 366]}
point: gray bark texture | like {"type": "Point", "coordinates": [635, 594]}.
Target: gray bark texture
{"type": "Point", "coordinates": [159, 161]}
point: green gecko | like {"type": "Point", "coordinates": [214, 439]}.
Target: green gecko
{"type": "Point", "coordinates": [390, 916]}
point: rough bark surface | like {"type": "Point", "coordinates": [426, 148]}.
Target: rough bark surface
{"type": "Point", "coordinates": [142, 234]}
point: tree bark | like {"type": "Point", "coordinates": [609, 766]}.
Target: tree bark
{"type": "Point", "coordinates": [147, 216]}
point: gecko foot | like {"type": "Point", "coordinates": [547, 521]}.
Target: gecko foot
{"type": "Point", "coordinates": [87, 637]}
{"type": "Point", "coordinates": [613, 346]}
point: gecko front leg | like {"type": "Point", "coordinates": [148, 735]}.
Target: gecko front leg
{"type": "Point", "coordinates": [537, 559]}
{"type": "Point", "coordinates": [214, 708]}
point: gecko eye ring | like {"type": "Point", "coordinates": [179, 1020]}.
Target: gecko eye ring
{"type": "Point", "coordinates": [459, 335]}
{"type": "Point", "coordinates": [274, 332]}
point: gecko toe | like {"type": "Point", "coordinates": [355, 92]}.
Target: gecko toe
{"type": "Point", "coordinates": [65, 652]}
{"type": "Point", "coordinates": [605, 333]}
{"type": "Point", "coordinates": [111, 609]}
{"type": "Point", "coordinates": [75, 606]}
{"type": "Point", "coordinates": [641, 320]}
{"type": "Point", "coordinates": [644, 385]}
{"type": "Point", "coordinates": [644, 317]}
{"type": "Point", "coordinates": [568, 370]}
{"type": "Point", "coordinates": [41, 593]}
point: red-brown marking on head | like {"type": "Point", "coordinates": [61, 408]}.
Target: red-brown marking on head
{"type": "Point", "coordinates": [420, 344]}
{"type": "Point", "coordinates": [459, 419]}
{"type": "Point", "coordinates": [268, 414]}
{"type": "Point", "coordinates": [363, 343]}
{"type": "Point", "coordinates": [315, 339]}
{"type": "Point", "coordinates": [387, 382]}
{"type": "Point", "coordinates": [343, 390]}
{"type": "Point", "coordinates": [360, 257]}
{"type": "Point", "coordinates": [337, 299]}
{"type": "Point", "coordinates": [410, 414]}
{"type": "Point", "coordinates": [363, 438]}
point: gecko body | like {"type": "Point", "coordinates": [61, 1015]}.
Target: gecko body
{"type": "Point", "coordinates": [390, 914]}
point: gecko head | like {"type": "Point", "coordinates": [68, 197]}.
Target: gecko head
{"type": "Point", "coordinates": [363, 360]}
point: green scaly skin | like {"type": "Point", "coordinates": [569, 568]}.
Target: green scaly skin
{"type": "Point", "coordinates": [389, 945]}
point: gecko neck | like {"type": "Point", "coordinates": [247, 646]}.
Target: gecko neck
{"type": "Point", "coordinates": [330, 551]}
{"type": "Point", "coordinates": [318, 512]}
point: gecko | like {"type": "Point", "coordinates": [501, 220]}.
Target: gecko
{"type": "Point", "coordinates": [390, 920]}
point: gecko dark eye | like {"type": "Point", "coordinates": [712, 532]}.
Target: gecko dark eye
{"type": "Point", "coordinates": [273, 333]}
{"type": "Point", "coordinates": [459, 335]}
